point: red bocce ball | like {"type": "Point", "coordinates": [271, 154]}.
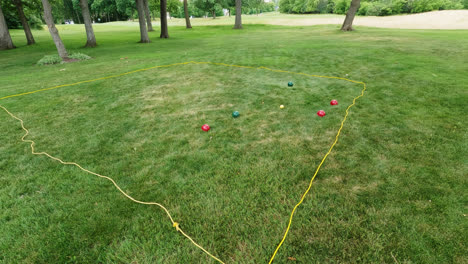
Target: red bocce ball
{"type": "Point", "coordinates": [321, 113]}
{"type": "Point", "coordinates": [205, 127]}
{"type": "Point", "coordinates": [333, 102]}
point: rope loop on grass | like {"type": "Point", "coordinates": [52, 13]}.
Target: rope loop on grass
{"type": "Point", "coordinates": [176, 224]}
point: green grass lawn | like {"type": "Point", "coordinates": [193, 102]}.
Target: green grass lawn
{"type": "Point", "coordinates": [392, 189]}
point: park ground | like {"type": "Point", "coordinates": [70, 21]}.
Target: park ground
{"type": "Point", "coordinates": [446, 19]}
{"type": "Point", "coordinates": [392, 191]}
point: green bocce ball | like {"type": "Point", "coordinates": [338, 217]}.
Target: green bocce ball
{"type": "Point", "coordinates": [290, 84]}
{"type": "Point", "coordinates": [235, 114]}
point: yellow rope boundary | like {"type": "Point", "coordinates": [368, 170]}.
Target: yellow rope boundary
{"type": "Point", "coordinates": [176, 224]}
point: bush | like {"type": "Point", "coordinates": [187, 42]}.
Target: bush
{"type": "Point", "coordinates": [285, 6]}
{"type": "Point", "coordinates": [268, 7]}
{"type": "Point", "coordinates": [417, 6]}
{"type": "Point", "coordinates": [322, 6]}
{"type": "Point", "coordinates": [398, 6]}
{"type": "Point", "coordinates": [378, 9]}
{"type": "Point", "coordinates": [341, 6]}
{"type": "Point", "coordinates": [50, 59]}
{"type": "Point", "coordinates": [369, 7]}
{"type": "Point", "coordinates": [362, 11]}
{"type": "Point", "coordinates": [55, 59]}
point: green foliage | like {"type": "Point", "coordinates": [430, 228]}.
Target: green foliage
{"type": "Point", "coordinates": [364, 8]}
{"type": "Point", "coordinates": [306, 6]}
{"type": "Point", "coordinates": [208, 7]}
{"type": "Point", "coordinates": [341, 6]}
{"type": "Point", "coordinates": [35, 22]}
{"type": "Point", "coordinates": [416, 6]}
{"type": "Point", "coordinates": [257, 9]}
{"type": "Point", "coordinates": [369, 7]}
{"type": "Point", "coordinates": [32, 11]}
{"type": "Point", "coordinates": [50, 59]}
{"type": "Point", "coordinates": [56, 59]}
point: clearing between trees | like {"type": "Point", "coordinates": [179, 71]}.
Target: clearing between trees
{"type": "Point", "coordinates": [447, 19]}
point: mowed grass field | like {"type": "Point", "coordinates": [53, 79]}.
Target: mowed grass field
{"type": "Point", "coordinates": [393, 189]}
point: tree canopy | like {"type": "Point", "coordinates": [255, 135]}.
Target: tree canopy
{"type": "Point", "coordinates": [369, 7]}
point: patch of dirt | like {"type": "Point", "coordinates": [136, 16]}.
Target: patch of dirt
{"type": "Point", "coordinates": [67, 60]}
{"type": "Point", "coordinates": [446, 19]}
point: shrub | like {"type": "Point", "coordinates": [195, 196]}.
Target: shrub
{"type": "Point", "coordinates": [362, 11]}
{"type": "Point", "coordinates": [268, 7]}
{"type": "Point", "coordinates": [374, 9]}
{"type": "Point", "coordinates": [398, 6]}
{"type": "Point", "coordinates": [35, 23]}
{"type": "Point", "coordinates": [285, 6]}
{"type": "Point", "coordinates": [341, 6]}
{"type": "Point", "coordinates": [55, 59]}
{"type": "Point", "coordinates": [50, 59]}
{"type": "Point", "coordinates": [370, 7]}
{"type": "Point", "coordinates": [323, 6]}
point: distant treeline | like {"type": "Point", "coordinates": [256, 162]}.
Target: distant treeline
{"type": "Point", "coordinates": [120, 10]}
{"type": "Point", "coordinates": [369, 7]}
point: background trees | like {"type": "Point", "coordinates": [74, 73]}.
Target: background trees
{"type": "Point", "coordinates": [53, 30]}
{"type": "Point", "coordinates": [238, 23]}
{"type": "Point", "coordinates": [369, 7]}
{"type": "Point", "coordinates": [187, 16]}
{"type": "Point", "coordinates": [90, 38]}
{"type": "Point", "coordinates": [144, 38]}
{"type": "Point", "coordinates": [211, 7]}
{"type": "Point", "coordinates": [148, 16]}
{"type": "Point", "coordinates": [163, 13]}
{"type": "Point", "coordinates": [24, 22]}
{"type": "Point", "coordinates": [5, 38]}
{"type": "Point", "coordinates": [348, 22]}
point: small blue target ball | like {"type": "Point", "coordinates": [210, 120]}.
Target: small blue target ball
{"type": "Point", "coordinates": [235, 114]}
{"type": "Point", "coordinates": [290, 84]}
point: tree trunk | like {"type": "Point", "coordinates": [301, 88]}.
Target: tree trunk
{"type": "Point", "coordinates": [148, 16]}
{"type": "Point", "coordinates": [5, 38]}
{"type": "Point", "coordinates": [53, 30]}
{"type": "Point", "coordinates": [90, 38]}
{"type": "Point", "coordinates": [77, 16]}
{"type": "Point", "coordinates": [213, 14]}
{"type": "Point", "coordinates": [348, 22]}
{"type": "Point", "coordinates": [24, 22]}
{"type": "Point", "coordinates": [141, 19]}
{"type": "Point", "coordinates": [229, 12]}
{"type": "Point", "coordinates": [238, 24]}
{"type": "Point", "coordinates": [187, 17]}
{"type": "Point", "coordinates": [163, 11]}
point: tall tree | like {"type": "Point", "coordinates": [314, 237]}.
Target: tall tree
{"type": "Point", "coordinates": [187, 17]}
{"type": "Point", "coordinates": [24, 22]}
{"type": "Point", "coordinates": [53, 30]}
{"type": "Point", "coordinates": [90, 38]}
{"type": "Point", "coordinates": [163, 11]}
{"type": "Point", "coordinates": [5, 38]}
{"type": "Point", "coordinates": [148, 16]}
{"type": "Point", "coordinates": [348, 22]}
{"type": "Point", "coordinates": [254, 5]}
{"type": "Point", "coordinates": [238, 23]}
{"type": "Point", "coordinates": [141, 18]}
{"type": "Point", "coordinates": [209, 6]}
